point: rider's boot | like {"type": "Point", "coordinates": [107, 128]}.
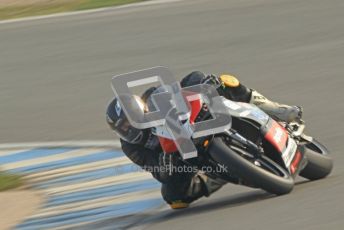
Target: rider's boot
{"type": "Point", "coordinates": [279, 112]}
{"type": "Point", "coordinates": [201, 185]}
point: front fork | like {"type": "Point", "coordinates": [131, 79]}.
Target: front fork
{"type": "Point", "coordinates": [252, 147]}
{"type": "Point", "coordinates": [257, 151]}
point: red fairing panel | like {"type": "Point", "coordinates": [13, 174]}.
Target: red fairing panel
{"type": "Point", "coordinates": [196, 107]}
{"type": "Point", "coordinates": [168, 145]}
{"type": "Point", "coordinates": [277, 136]}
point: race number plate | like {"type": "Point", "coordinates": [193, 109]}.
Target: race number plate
{"type": "Point", "coordinates": [276, 135]}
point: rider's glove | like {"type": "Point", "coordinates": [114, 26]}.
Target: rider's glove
{"type": "Point", "coordinates": [168, 160]}
{"type": "Point", "coordinates": [212, 80]}
{"type": "Point", "coordinates": [167, 163]}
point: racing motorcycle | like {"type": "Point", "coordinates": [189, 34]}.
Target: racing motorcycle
{"type": "Point", "coordinates": [256, 150]}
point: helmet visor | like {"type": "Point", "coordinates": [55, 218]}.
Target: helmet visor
{"type": "Point", "coordinates": [127, 132]}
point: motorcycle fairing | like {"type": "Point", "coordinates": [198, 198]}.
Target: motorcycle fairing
{"type": "Point", "coordinates": [246, 110]}
{"type": "Point", "coordinates": [272, 131]}
{"type": "Point", "coordinates": [276, 135]}
{"type": "Point", "coordinates": [292, 155]}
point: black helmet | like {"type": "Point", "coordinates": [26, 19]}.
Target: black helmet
{"type": "Point", "coordinates": [119, 123]}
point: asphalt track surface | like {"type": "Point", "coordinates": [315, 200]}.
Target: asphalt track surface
{"type": "Point", "coordinates": [55, 84]}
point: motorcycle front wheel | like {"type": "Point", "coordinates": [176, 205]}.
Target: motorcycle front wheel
{"type": "Point", "coordinates": [262, 172]}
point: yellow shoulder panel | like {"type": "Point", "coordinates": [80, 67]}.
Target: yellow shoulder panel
{"type": "Point", "coordinates": [229, 80]}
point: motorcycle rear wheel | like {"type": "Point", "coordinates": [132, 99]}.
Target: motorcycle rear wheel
{"type": "Point", "coordinates": [263, 172]}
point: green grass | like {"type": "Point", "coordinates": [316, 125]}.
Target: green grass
{"type": "Point", "coordinates": [9, 181]}
{"type": "Point", "coordinates": [50, 7]}
{"type": "Point", "coordinates": [91, 4]}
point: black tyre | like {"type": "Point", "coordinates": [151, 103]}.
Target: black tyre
{"type": "Point", "coordinates": [319, 164]}
{"type": "Point", "coordinates": [263, 173]}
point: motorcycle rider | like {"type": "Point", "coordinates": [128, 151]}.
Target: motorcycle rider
{"type": "Point", "coordinates": [179, 189]}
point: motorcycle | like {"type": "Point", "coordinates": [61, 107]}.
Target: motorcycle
{"type": "Point", "coordinates": [258, 151]}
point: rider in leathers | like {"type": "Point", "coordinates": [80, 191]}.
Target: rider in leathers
{"type": "Point", "coordinates": [179, 189]}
